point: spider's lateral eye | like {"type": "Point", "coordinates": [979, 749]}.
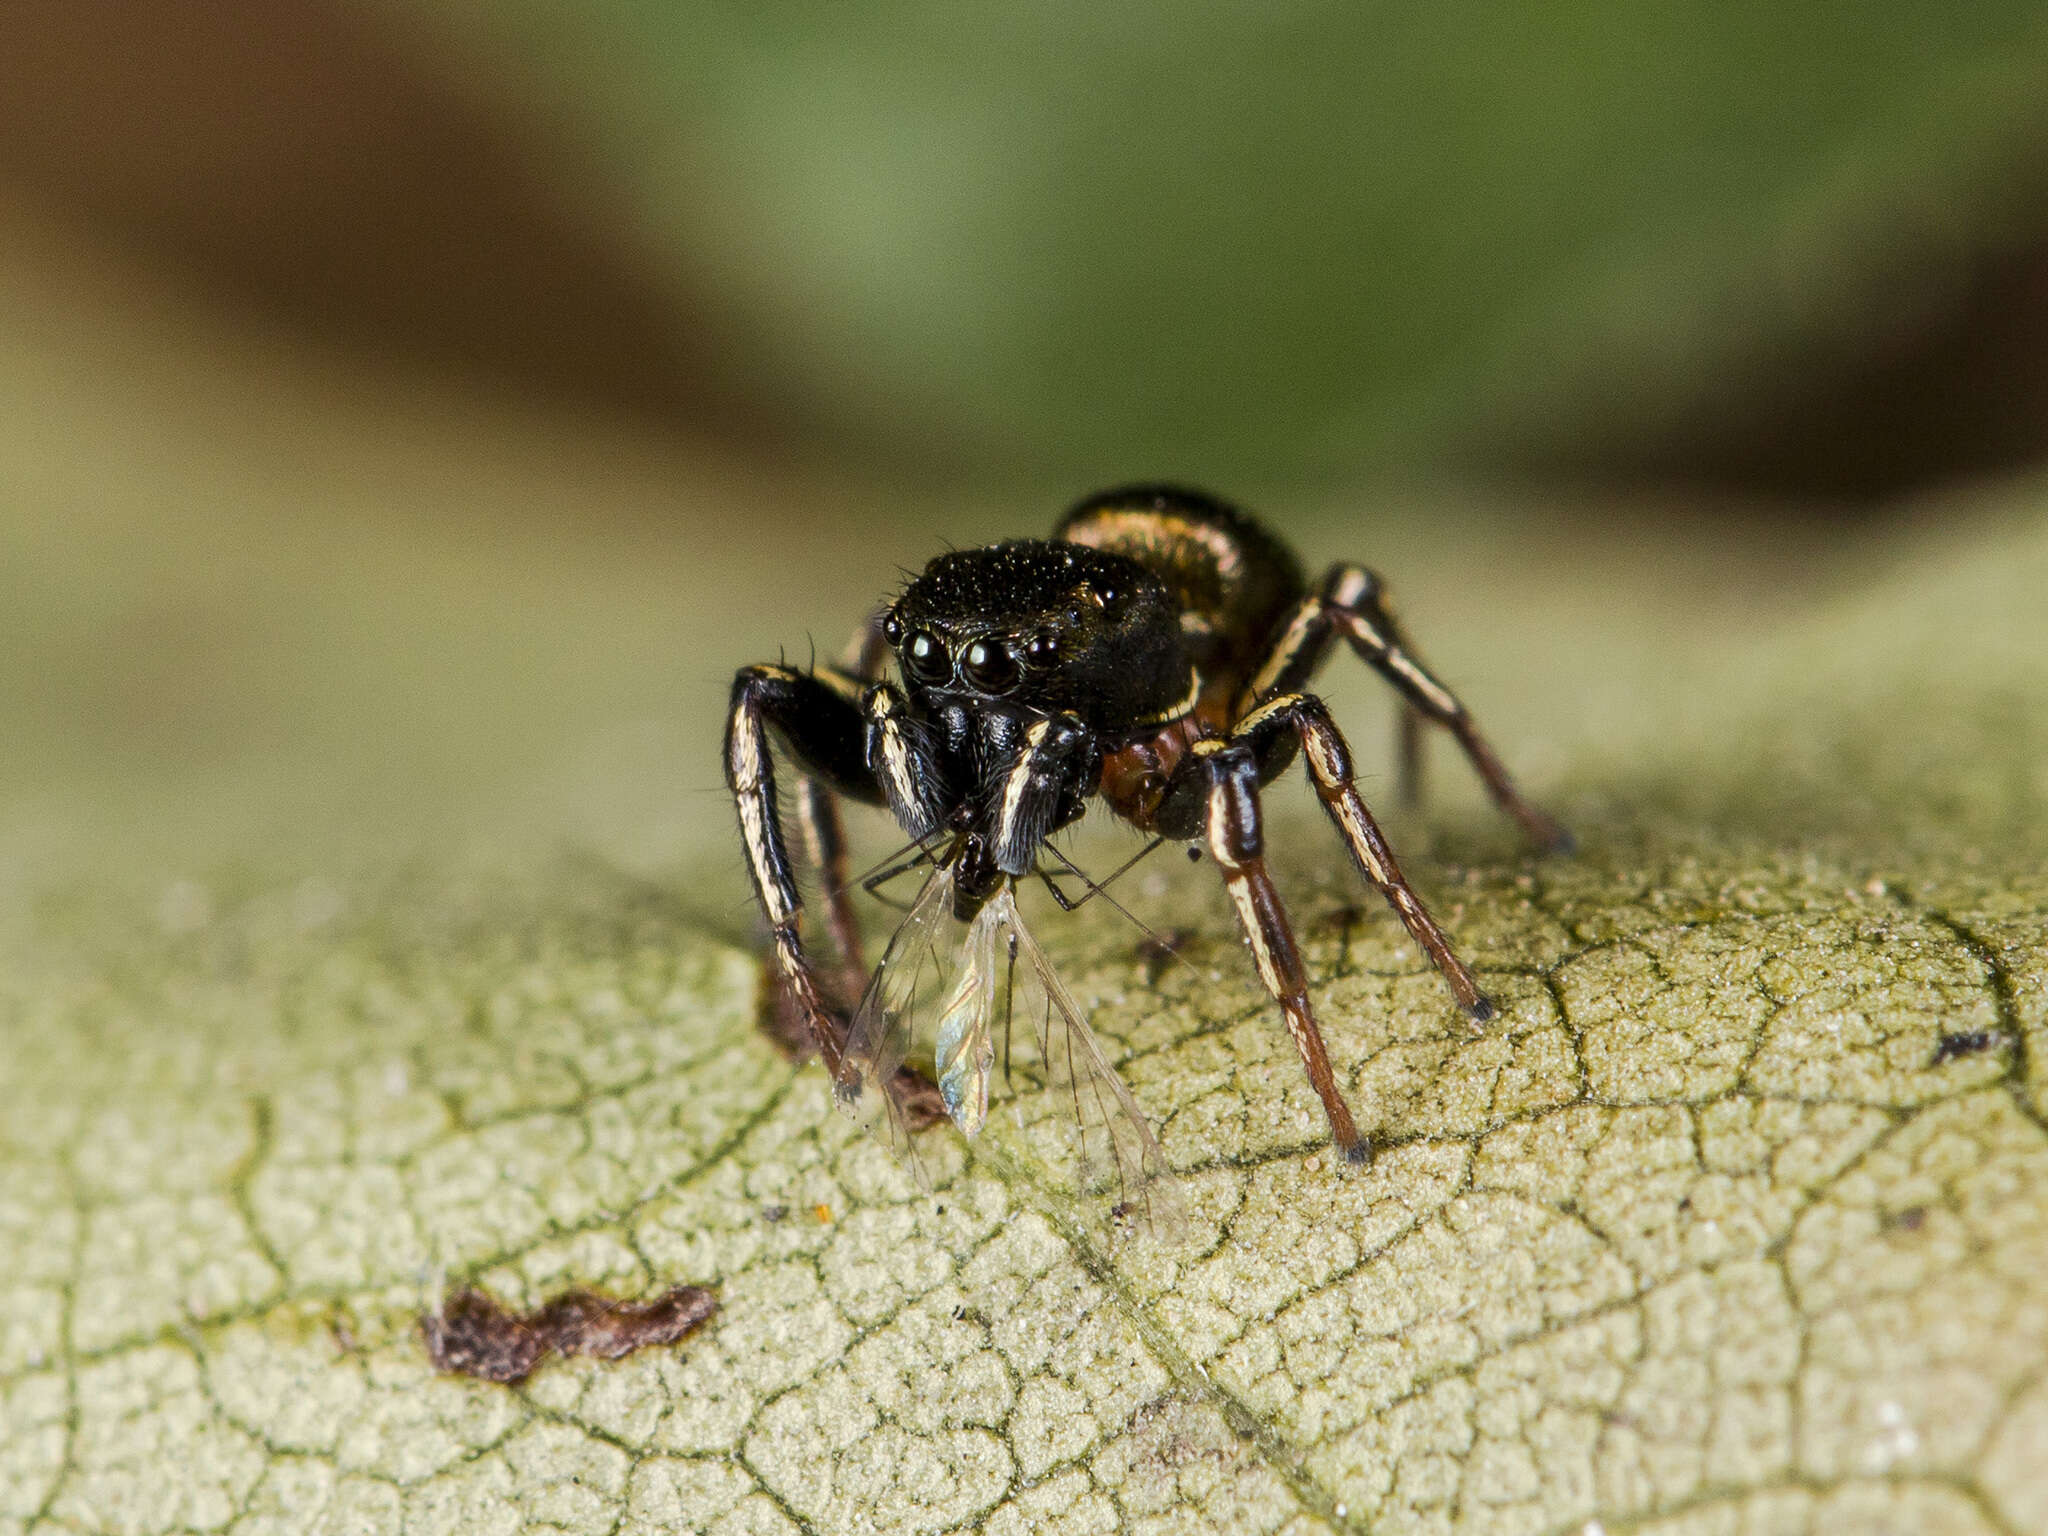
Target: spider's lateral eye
{"type": "Point", "coordinates": [1042, 648]}
{"type": "Point", "coordinates": [892, 629]}
{"type": "Point", "coordinates": [925, 659]}
{"type": "Point", "coordinates": [990, 667]}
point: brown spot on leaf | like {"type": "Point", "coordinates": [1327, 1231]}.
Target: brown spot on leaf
{"type": "Point", "coordinates": [473, 1335]}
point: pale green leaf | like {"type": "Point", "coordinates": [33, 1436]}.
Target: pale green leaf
{"type": "Point", "coordinates": [356, 942]}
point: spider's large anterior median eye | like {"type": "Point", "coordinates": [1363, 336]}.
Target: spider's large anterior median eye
{"type": "Point", "coordinates": [989, 667]}
{"type": "Point", "coordinates": [925, 659]}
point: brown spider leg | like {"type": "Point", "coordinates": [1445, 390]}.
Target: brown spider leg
{"type": "Point", "coordinates": [1231, 831]}
{"type": "Point", "coordinates": [1303, 716]}
{"type": "Point", "coordinates": [817, 809]}
{"type": "Point", "coordinates": [1408, 760]}
{"type": "Point", "coordinates": [1352, 603]}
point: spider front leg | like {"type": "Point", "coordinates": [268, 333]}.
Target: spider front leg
{"type": "Point", "coordinates": [822, 726]}
{"type": "Point", "coordinates": [1352, 603]}
{"type": "Point", "coordinates": [1270, 732]}
{"type": "Point", "coordinates": [1215, 795]}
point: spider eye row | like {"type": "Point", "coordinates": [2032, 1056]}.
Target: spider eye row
{"type": "Point", "coordinates": [988, 666]}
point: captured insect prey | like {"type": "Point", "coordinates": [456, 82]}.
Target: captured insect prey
{"type": "Point", "coordinates": [1153, 654]}
{"type": "Point", "coordinates": [1003, 994]}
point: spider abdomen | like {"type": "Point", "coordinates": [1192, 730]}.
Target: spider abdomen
{"type": "Point", "coordinates": [1232, 582]}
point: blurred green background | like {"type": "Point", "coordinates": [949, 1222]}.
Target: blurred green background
{"type": "Point", "coordinates": [1771, 247]}
{"type": "Point", "coordinates": [405, 398]}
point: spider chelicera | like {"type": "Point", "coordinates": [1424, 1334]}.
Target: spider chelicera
{"type": "Point", "coordinates": [1153, 652]}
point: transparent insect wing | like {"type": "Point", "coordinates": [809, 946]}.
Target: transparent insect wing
{"type": "Point", "coordinates": [964, 1051]}
{"type": "Point", "coordinates": [1085, 1125]}
{"type": "Point", "coordinates": [1112, 1146]}
{"type": "Point", "coordinates": [912, 967]}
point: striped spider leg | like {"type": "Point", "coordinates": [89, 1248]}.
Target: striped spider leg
{"type": "Point", "coordinates": [1351, 602]}
{"type": "Point", "coordinates": [821, 719]}
{"type": "Point", "coordinates": [1216, 791]}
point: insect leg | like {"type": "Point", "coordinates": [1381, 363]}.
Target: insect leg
{"type": "Point", "coordinates": [1352, 603]}
{"type": "Point", "coordinates": [822, 728]}
{"type": "Point", "coordinates": [1304, 716]}
{"type": "Point", "coordinates": [1225, 775]}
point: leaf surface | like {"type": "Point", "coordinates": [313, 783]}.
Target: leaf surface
{"type": "Point", "coordinates": [1737, 1221]}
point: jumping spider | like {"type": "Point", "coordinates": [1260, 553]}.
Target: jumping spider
{"type": "Point", "coordinates": [1153, 652]}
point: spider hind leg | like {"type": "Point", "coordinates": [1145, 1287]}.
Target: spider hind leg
{"type": "Point", "coordinates": [1351, 603]}
{"type": "Point", "coordinates": [1302, 717]}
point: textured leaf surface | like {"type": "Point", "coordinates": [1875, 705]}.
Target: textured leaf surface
{"type": "Point", "coordinates": [1705, 1231]}
{"type": "Point", "coordinates": [1710, 1234]}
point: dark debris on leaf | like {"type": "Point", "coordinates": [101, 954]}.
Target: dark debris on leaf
{"type": "Point", "coordinates": [473, 1335]}
{"type": "Point", "coordinates": [1954, 1047]}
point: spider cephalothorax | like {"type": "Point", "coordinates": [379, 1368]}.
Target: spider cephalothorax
{"type": "Point", "coordinates": [1152, 654]}
{"type": "Point", "coordinates": [1047, 627]}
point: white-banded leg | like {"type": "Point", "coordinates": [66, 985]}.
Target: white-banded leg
{"type": "Point", "coordinates": [903, 761]}
{"type": "Point", "coordinates": [823, 729]}
{"type": "Point", "coordinates": [1225, 775]}
{"type": "Point", "coordinates": [1047, 780]}
{"type": "Point", "coordinates": [820, 718]}
{"type": "Point", "coordinates": [1352, 603]}
{"type": "Point", "coordinates": [1303, 717]}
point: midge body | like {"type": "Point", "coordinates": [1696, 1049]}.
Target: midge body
{"type": "Point", "coordinates": [1153, 653]}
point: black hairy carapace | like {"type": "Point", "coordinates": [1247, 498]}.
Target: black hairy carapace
{"type": "Point", "coordinates": [1152, 653]}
